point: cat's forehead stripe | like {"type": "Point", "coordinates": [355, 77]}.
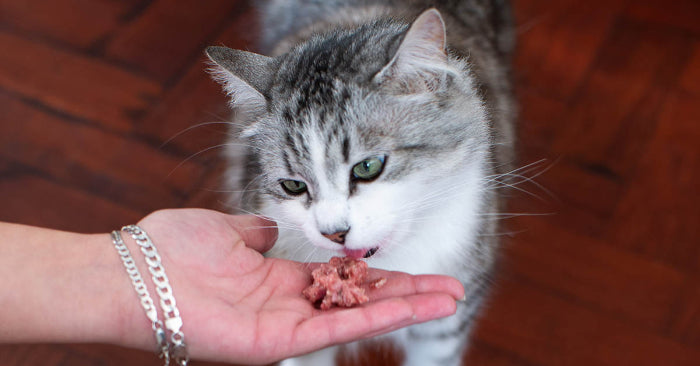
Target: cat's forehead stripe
{"type": "Point", "coordinates": [287, 164]}
{"type": "Point", "coordinates": [346, 149]}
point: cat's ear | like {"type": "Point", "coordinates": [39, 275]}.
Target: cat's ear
{"type": "Point", "coordinates": [421, 59]}
{"type": "Point", "coordinates": [244, 75]}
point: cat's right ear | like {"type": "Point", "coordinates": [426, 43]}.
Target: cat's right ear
{"type": "Point", "coordinates": [420, 62]}
{"type": "Point", "coordinates": [244, 75]}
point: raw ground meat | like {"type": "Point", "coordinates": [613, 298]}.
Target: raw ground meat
{"type": "Point", "coordinates": [340, 282]}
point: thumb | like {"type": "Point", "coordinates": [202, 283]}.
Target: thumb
{"type": "Point", "coordinates": [257, 232]}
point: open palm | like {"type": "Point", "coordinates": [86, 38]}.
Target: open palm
{"type": "Point", "coordinates": [239, 306]}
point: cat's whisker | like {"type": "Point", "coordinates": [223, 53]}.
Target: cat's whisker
{"type": "Point", "coordinates": [288, 227]}
{"type": "Point", "coordinates": [268, 216]}
{"type": "Point", "coordinates": [241, 195]}
{"type": "Point", "coordinates": [526, 169]}
{"type": "Point", "coordinates": [312, 253]}
{"type": "Point", "coordinates": [515, 187]}
{"type": "Point", "coordinates": [520, 169]}
{"type": "Point", "coordinates": [302, 244]}
{"type": "Point", "coordinates": [218, 117]}
{"type": "Point", "coordinates": [199, 125]}
{"type": "Point", "coordinates": [212, 190]}
{"type": "Point", "coordinates": [200, 152]}
{"type": "Point", "coordinates": [524, 179]}
{"type": "Point", "coordinates": [279, 225]}
{"type": "Point", "coordinates": [510, 215]}
{"type": "Point", "coordinates": [285, 225]}
{"type": "Point", "coordinates": [423, 121]}
{"type": "Point", "coordinates": [276, 227]}
{"type": "Point", "coordinates": [430, 200]}
{"type": "Point", "coordinates": [516, 177]}
{"type": "Point", "coordinates": [531, 23]}
{"type": "Point", "coordinates": [264, 227]}
{"type": "Point", "coordinates": [430, 197]}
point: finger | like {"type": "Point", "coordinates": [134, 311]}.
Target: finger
{"type": "Point", "coordinates": [431, 310]}
{"type": "Point", "coordinates": [373, 319]}
{"type": "Point", "coordinates": [426, 307]}
{"type": "Point", "coordinates": [403, 284]}
{"type": "Point", "coordinates": [258, 233]}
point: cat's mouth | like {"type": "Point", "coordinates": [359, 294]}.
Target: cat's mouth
{"type": "Point", "coordinates": [360, 253]}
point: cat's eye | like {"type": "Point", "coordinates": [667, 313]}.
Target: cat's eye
{"type": "Point", "coordinates": [368, 169]}
{"type": "Point", "coordinates": [293, 187]}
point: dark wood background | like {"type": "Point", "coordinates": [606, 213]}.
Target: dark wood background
{"type": "Point", "coordinates": [96, 98]}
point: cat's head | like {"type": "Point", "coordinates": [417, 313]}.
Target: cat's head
{"type": "Point", "coordinates": [360, 133]}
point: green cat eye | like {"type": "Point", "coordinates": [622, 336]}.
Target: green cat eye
{"type": "Point", "coordinates": [369, 168]}
{"type": "Point", "coordinates": [293, 187]}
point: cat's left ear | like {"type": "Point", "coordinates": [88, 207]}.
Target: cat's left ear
{"type": "Point", "coordinates": [421, 60]}
{"type": "Point", "coordinates": [244, 75]}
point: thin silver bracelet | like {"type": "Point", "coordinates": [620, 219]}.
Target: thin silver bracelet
{"type": "Point", "coordinates": [177, 349]}
{"type": "Point", "coordinates": [142, 291]}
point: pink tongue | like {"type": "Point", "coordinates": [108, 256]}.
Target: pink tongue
{"type": "Point", "coordinates": [355, 253]}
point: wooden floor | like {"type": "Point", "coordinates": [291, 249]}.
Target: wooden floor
{"type": "Point", "coordinates": [602, 260]}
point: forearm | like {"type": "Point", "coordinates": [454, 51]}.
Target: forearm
{"type": "Point", "coordinates": [63, 287]}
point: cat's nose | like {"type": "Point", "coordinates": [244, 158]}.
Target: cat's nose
{"type": "Point", "coordinates": [337, 237]}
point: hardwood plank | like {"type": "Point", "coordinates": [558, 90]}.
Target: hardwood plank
{"type": "Point", "coordinates": [685, 325]}
{"type": "Point", "coordinates": [126, 170]}
{"type": "Point", "coordinates": [679, 13]}
{"type": "Point", "coordinates": [243, 30]}
{"type": "Point", "coordinates": [658, 215]}
{"type": "Point", "coordinates": [558, 41]}
{"type": "Point", "coordinates": [5, 167]}
{"type": "Point", "coordinates": [168, 34]}
{"type": "Point", "coordinates": [544, 329]}
{"type": "Point", "coordinates": [31, 200]}
{"type": "Point", "coordinates": [690, 80]}
{"type": "Point", "coordinates": [481, 353]}
{"type": "Point", "coordinates": [540, 122]}
{"type": "Point", "coordinates": [22, 355]}
{"type": "Point", "coordinates": [609, 95]}
{"type": "Point", "coordinates": [591, 273]}
{"type": "Point", "coordinates": [614, 116]}
{"type": "Point", "coordinates": [191, 117]}
{"type": "Point", "coordinates": [211, 192]}
{"type": "Point", "coordinates": [576, 197]}
{"type": "Point", "coordinates": [74, 84]}
{"type": "Point", "coordinates": [196, 100]}
{"type": "Point", "coordinates": [79, 23]}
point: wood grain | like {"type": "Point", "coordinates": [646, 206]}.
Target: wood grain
{"type": "Point", "coordinates": [107, 113]}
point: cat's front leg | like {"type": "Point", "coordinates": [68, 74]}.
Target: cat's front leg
{"type": "Point", "coordinates": [324, 357]}
{"type": "Point", "coordinates": [440, 342]}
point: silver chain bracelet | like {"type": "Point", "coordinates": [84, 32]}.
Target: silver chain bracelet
{"type": "Point", "coordinates": [177, 349]}
{"type": "Point", "coordinates": [142, 291]}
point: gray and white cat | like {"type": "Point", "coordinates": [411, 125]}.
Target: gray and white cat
{"type": "Point", "coordinates": [376, 130]}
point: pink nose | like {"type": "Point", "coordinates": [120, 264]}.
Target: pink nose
{"type": "Point", "coordinates": [337, 237]}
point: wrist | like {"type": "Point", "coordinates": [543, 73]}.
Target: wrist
{"type": "Point", "coordinates": [93, 300]}
{"type": "Point", "coordinates": [135, 325]}
{"type": "Point", "coordinates": [100, 306]}
{"type": "Point", "coordinates": [107, 306]}
{"type": "Point", "coordinates": [168, 334]}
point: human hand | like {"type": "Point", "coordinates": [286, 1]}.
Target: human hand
{"type": "Point", "coordinates": [239, 306]}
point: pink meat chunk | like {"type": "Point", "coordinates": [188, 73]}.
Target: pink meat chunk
{"type": "Point", "coordinates": [340, 283]}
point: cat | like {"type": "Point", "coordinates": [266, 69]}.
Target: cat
{"type": "Point", "coordinates": [376, 130]}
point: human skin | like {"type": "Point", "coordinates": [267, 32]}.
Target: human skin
{"type": "Point", "coordinates": [236, 305]}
